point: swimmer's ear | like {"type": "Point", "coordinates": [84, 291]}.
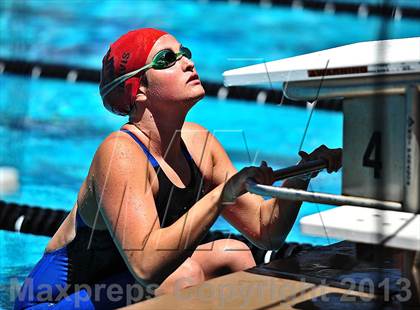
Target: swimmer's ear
{"type": "Point", "coordinates": [141, 97]}
{"type": "Point", "coordinates": [141, 94]}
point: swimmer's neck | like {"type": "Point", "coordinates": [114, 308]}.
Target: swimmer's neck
{"type": "Point", "coordinates": [161, 135]}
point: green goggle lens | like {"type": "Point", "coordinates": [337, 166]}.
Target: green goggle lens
{"type": "Point", "coordinates": [167, 58]}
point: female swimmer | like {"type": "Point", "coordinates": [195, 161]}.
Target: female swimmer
{"type": "Point", "coordinates": [154, 189]}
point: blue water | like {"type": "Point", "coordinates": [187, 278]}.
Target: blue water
{"type": "Point", "coordinates": [58, 134]}
{"type": "Point", "coordinates": [393, 3]}
{"type": "Point", "coordinates": [52, 128]}
{"type": "Point", "coordinates": [221, 36]}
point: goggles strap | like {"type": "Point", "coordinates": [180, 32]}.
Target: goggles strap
{"type": "Point", "coordinates": [114, 83]}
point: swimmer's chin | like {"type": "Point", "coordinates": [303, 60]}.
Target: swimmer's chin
{"type": "Point", "coordinates": [194, 99]}
{"type": "Point", "coordinates": [201, 96]}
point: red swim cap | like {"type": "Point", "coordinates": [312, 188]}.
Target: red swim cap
{"type": "Point", "coordinates": [127, 54]}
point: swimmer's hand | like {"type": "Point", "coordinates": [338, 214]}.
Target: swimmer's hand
{"type": "Point", "coordinates": [331, 156]}
{"type": "Point", "coordinates": [235, 186]}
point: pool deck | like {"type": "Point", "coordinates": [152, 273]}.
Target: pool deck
{"type": "Point", "coordinates": [244, 290]}
{"type": "Point", "coordinates": [344, 275]}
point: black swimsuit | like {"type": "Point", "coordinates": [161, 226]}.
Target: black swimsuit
{"type": "Point", "coordinates": [171, 201]}
{"type": "Point", "coordinates": [92, 256]}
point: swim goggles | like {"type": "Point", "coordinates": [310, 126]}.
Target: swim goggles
{"type": "Point", "coordinates": [163, 59]}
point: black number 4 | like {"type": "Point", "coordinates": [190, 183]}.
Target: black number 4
{"type": "Point", "coordinates": [374, 147]}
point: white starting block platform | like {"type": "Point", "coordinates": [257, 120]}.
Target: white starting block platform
{"type": "Point", "coordinates": [366, 225]}
{"type": "Point", "coordinates": [364, 59]}
{"type": "Point", "coordinates": [379, 85]}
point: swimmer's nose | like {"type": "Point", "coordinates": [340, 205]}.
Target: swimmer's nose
{"type": "Point", "coordinates": [187, 64]}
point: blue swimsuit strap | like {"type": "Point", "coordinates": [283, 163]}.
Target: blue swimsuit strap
{"type": "Point", "coordinates": [79, 221]}
{"type": "Point", "coordinates": [152, 160]}
{"type": "Point", "coordinates": [150, 157]}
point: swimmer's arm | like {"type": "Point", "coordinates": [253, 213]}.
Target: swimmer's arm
{"type": "Point", "coordinates": [169, 247]}
{"type": "Point", "coordinates": [127, 206]}
{"type": "Point", "coordinates": [266, 223]}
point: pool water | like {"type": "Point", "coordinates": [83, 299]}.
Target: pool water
{"type": "Point", "coordinates": [52, 147]}
{"type": "Point", "coordinates": [51, 128]}
{"type": "Point", "coordinates": [393, 3]}
{"type": "Point", "coordinates": [221, 35]}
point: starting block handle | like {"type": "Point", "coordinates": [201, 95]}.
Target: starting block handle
{"type": "Point", "coordinates": [303, 168]}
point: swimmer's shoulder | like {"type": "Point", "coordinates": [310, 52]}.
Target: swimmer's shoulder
{"type": "Point", "coordinates": [200, 138]}
{"type": "Point", "coordinates": [120, 150]}
{"type": "Point", "coordinates": [201, 141]}
{"type": "Point", "coordinates": [195, 132]}
{"type": "Point", "coordinates": [195, 136]}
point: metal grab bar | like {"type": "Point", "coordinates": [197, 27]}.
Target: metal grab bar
{"type": "Point", "coordinates": [309, 166]}
{"type": "Point", "coordinates": [330, 199]}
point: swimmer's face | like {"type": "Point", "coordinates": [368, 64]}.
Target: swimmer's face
{"type": "Point", "coordinates": [177, 85]}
